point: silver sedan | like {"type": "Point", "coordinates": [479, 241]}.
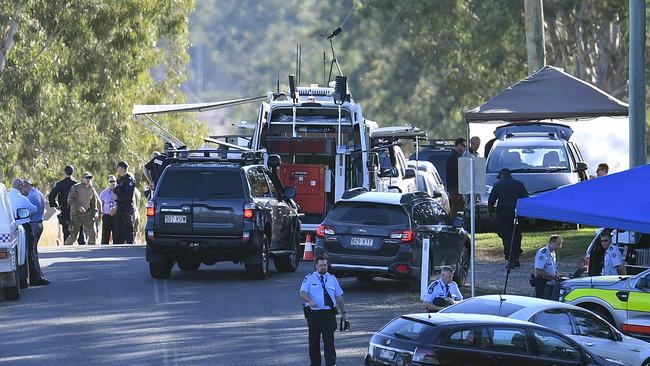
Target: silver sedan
{"type": "Point", "coordinates": [580, 324]}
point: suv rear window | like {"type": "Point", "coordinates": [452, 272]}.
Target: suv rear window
{"type": "Point", "coordinates": [214, 183]}
{"type": "Point", "coordinates": [409, 329]}
{"type": "Point", "coordinates": [537, 158]}
{"type": "Point", "coordinates": [368, 213]}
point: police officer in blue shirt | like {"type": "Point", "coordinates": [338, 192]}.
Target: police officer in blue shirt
{"type": "Point", "coordinates": [443, 292]}
{"type": "Point", "coordinates": [613, 261]}
{"type": "Point", "coordinates": [322, 294]}
{"type": "Point", "coordinates": [546, 264]}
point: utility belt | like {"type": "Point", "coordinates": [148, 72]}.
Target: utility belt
{"type": "Point", "coordinates": [308, 311]}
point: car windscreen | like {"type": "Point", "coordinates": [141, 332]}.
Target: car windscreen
{"type": "Point", "coordinates": [368, 213]}
{"type": "Point", "coordinates": [485, 307]}
{"type": "Point", "coordinates": [528, 159]}
{"type": "Point", "coordinates": [309, 115]}
{"type": "Point", "coordinates": [213, 183]}
{"type": "Point", "coordinates": [409, 329]}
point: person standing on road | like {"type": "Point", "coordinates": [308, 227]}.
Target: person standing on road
{"type": "Point", "coordinates": [18, 201]}
{"type": "Point", "coordinates": [108, 208]}
{"type": "Point", "coordinates": [36, 223]}
{"type": "Point", "coordinates": [443, 292]}
{"type": "Point", "coordinates": [613, 261]}
{"type": "Point", "coordinates": [546, 264]}
{"type": "Point", "coordinates": [58, 198]}
{"type": "Point", "coordinates": [322, 294]}
{"type": "Point", "coordinates": [505, 194]}
{"type": "Point", "coordinates": [154, 168]}
{"type": "Point", "coordinates": [124, 213]}
{"type": "Point", "coordinates": [456, 201]}
{"type": "Point", "coordinates": [84, 207]}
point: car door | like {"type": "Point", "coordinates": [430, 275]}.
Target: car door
{"type": "Point", "coordinates": [261, 194]}
{"type": "Point", "coordinates": [282, 215]}
{"type": "Point", "coordinates": [554, 350]}
{"type": "Point", "coordinates": [598, 336]}
{"type": "Point", "coordinates": [218, 204]}
{"type": "Point", "coordinates": [638, 305]}
{"type": "Point", "coordinates": [432, 221]}
{"type": "Point", "coordinates": [173, 200]}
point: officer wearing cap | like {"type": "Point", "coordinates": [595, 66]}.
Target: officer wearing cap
{"type": "Point", "coordinates": [84, 209]}
{"type": "Point", "coordinates": [613, 261]}
{"type": "Point", "coordinates": [505, 193]}
{"type": "Point", "coordinates": [546, 264]}
{"type": "Point", "coordinates": [443, 292]}
{"type": "Point", "coordinates": [124, 213]}
{"type": "Point", "coordinates": [322, 293]}
{"type": "Point", "coordinates": [155, 167]}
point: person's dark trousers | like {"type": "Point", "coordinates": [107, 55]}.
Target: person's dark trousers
{"type": "Point", "coordinates": [322, 323]}
{"type": "Point", "coordinates": [123, 226]}
{"type": "Point", "coordinates": [108, 227]}
{"type": "Point", "coordinates": [505, 224]}
{"type": "Point", "coordinates": [540, 286]}
{"type": "Point", "coordinates": [35, 231]}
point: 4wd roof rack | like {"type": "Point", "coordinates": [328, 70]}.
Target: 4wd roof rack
{"type": "Point", "coordinates": [552, 135]}
{"type": "Point", "coordinates": [216, 155]}
{"type": "Point", "coordinates": [409, 196]}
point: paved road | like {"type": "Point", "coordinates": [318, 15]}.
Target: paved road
{"type": "Point", "coordinates": [102, 308]}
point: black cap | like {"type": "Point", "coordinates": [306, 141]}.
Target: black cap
{"type": "Point", "coordinates": [504, 173]}
{"type": "Point", "coordinates": [69, 169]}
{"type": "Point", "coordinates": [88, 175]}
{"type": "Point", "coordinates": [123, 164]}
{"type": "Point", "coordinates": [27, 181]}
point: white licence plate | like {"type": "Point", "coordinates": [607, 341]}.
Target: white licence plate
{"type": "Point", "coordinates": [175, 219]}
{"type": "Point", "coordinates": [386, 354]}
{"type": "Point", "coordinates": [361, 242]}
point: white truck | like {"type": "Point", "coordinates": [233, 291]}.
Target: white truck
{"type": "Point", "coordinates": [13, 248]}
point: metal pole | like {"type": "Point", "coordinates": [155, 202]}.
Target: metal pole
{"type": "Point", "coordinates": [472, 219]}
{"type": "Point", "coordinates": [637, 83]}
{"type": "Point", "coordinates": [424, 268]}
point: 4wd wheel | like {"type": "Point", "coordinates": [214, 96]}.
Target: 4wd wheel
{"type": "Point", "coordinates": [13, 292]}
{"type": "Point", "coordinates": [601, 312]}
{"type": "Point", "coordinates": [289, 263]}
{"type": "Point", "coordinates": [646, 362]}
{"type": "Point", "coordinates": [188, 265]}
{"type": "Point", "coordinates": [258, 271]}
{"type": "Point", "coordinates": [462, 268]}
{"type": "Point", "coordinates": [159, 270]}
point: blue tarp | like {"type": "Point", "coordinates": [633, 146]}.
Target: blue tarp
{"type": "Point", "coordinates": [619, 201]}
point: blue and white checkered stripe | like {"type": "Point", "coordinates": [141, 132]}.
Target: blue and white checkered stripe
{"type": "Point", "coordinates": [5, 237]}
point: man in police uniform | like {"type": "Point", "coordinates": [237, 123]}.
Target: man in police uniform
{"type": "Point", "coordinates": [613, 261]}
{"type": "Point", "coordinates": [154, 168]}
{"type": "Point", "coordinates": [58, 198]}
{"type": "Point", "coordinates": [443, 292]}
{"type": "Point", "coordinates": [505, 193]}
{"type": "Point", "coordinates": [546, 264]}
{"type": "Point", "coordinates": [124, 212]}
{"type": "Point", "coordinates": [322, 293]}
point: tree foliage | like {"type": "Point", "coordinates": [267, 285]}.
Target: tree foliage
{"type": "Point", "coordinates": [72, 76]}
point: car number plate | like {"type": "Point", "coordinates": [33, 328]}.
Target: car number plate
{"type": "Point", "coordinates": [361, 242]}
{"type": "Point", "coordinates": [175, 219]}
{"type": "Point", "coordinates": [386, 354]}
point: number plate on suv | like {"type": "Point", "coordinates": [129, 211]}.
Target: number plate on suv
{"type": "Point", "coordinates": [361, 242]}
{"type": "Point", "coordinates": [175, 219]}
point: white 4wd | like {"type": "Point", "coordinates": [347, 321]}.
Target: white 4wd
{"type": "Point", "coordinates": [13, 248]}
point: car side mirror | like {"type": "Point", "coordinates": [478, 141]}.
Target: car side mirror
{"type": "Point", "coordinates": [373, 162]}
{"type": "Point", "coordinates": [289, 192]}
{"type": "Point", "coordinates": [387, 172]}
{"type": "Point", "coordinates": [274, 161]}
{"type": "Point", "coordinates": [436, 194]}
{"type": "Point", "coordinates": [581, 166]}
{"type": "Point", "coordinates": [22, 213]}
{"type": "Point", "coordinates": [458, 222]}
{"type": "Point", "coordinates": [409, 173]}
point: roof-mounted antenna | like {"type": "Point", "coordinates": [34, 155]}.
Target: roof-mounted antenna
{"type": "Point", "coordinates": [334, 33]}
{"type": "Point", "coordinates": [278, 84]}
{"type": "Point", "coordinates": [292, 89]}
{"type": "Point", "coordinates": [299, 63]}
{"type": "Point", "coordinates": [324, 65]}
{"type": "Point", "coordinates": [296, 73]}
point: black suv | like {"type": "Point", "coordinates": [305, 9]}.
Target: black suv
{"type": "Point", "coordinates": [380, 234]}
{"type": "Point", "coordinates": [209, 208]}
{"type": "Point", "coordinates": [437, 152]}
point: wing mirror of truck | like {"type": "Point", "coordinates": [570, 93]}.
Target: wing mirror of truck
{"type": "Point", "coordinates": [274, 161]}
{"type": "Point", "coordinates": [22, 213]}
{"type": "Point", "coordinates": [388, 172]}
{"type": "Point", "coordinates": [373, 162]}
{"type": "Point", "coordinates": [436, 194]}
{"type": "Point", "coordinates": [581, 166]}
{"type": "Point", "coordinates": [289, 192]}
{"type": "Point", "coordinates": [409, 173]}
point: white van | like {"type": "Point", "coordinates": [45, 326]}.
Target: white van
{"type": "Point", "coordinates": [13, 248]}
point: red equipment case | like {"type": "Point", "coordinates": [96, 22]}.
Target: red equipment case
{"type": "Point", "coordinates": [309, 180]}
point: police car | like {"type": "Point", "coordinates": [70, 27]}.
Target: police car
{"type": "Point", "coordinates": [13, 248]}
{"type": "Point", "coordinates": [624, 301]}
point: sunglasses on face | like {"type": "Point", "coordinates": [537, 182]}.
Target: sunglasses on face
{"type": "Point", "coordinates": [112, 181]}
{"type": "Point", "coordinates": [604, 240]}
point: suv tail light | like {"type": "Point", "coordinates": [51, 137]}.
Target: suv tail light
{"type": "Point", "coordinates": [324, 230]}
{"type": "Point", "coordinates": [151, 209]}
{"type": "Point", "coordinates": [249, 211]}
{"type": "Point", "coordinates": [406, 235]}
{"type": "Point", "coordinates": [425, 356]}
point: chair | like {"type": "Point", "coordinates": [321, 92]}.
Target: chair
{"type": "Point", "coordinates": [511, 160]}
{"type": "Point", "coordinates": [519, 343]}
{"type": "Point", "coordinates": [551, 158]}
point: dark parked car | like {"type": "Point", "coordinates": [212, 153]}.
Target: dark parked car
{"type": "Point", "coordinates": [635, 248]}
{"type": "Point", "coordinates": [471, 339]}
{"type": "Point", "coordinates": [208, 208]}
{"type": "Point", "coordinates": [437, 152]}
{"type": "Point", "coordinates": [370, 234]}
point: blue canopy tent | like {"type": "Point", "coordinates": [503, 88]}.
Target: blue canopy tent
{"type": "Point", "coordinates": [619, 201]}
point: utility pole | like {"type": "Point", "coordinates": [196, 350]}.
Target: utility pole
{"type": "Point", "coordinates": [534, 14]}
{"type": "Point", "coordinates": [637, 83]}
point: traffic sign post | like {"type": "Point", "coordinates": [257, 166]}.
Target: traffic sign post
{"type": "Point", "coordinates": [424, 268]}
{"type": "Point", "coordinates": [471, 180]}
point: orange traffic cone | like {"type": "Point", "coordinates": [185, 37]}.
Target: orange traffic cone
{"type": "Point", "coordinates": [308, 255]}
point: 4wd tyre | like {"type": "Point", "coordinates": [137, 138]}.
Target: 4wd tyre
{"type": "Point", "coordinates": [24, 275]}
{"type": "Point", "coordinates": [188, 265]}
{"type": "Point", "coordinates": [289, 263]}
{"type": "Point", "coordinates": [462, 268]}
{"type": "Point", "coordinates": [13, 292]}
{"type": "Point", "coordinates": [258, 271]}
{"type": "Point", "coordinates": [160, 271]}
